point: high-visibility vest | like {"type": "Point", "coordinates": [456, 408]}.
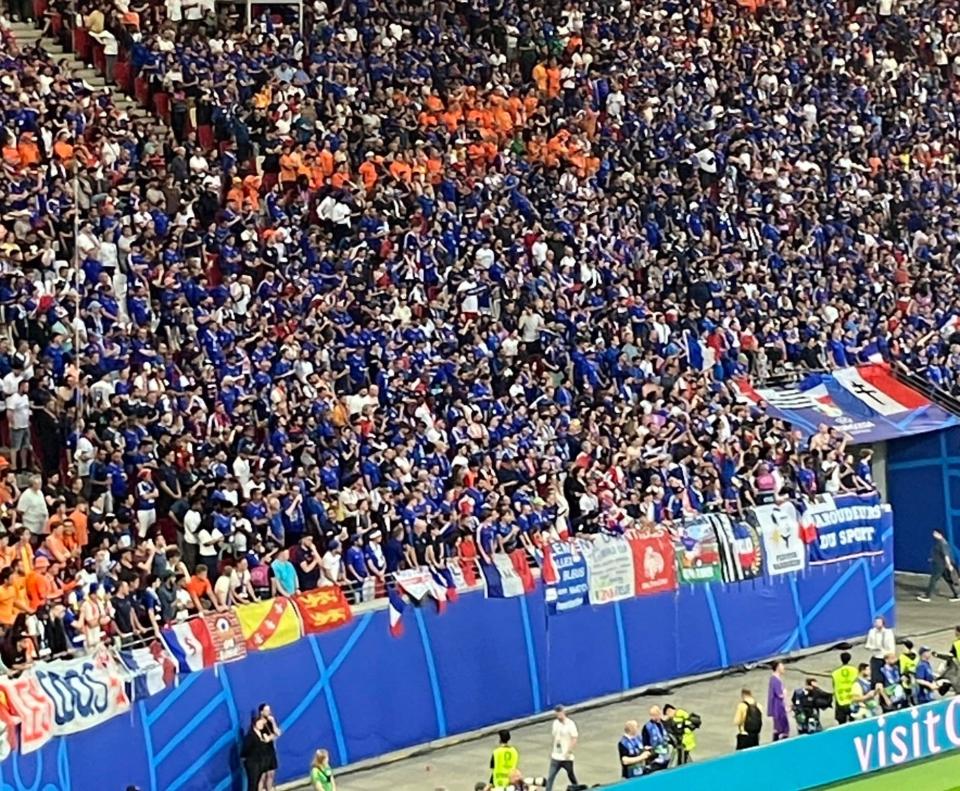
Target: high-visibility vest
{"type": "Point", "coordinates": [956, 649]}
{"type": "Point", "coordinates": [505, 760]}
{"type": "Point", "coordinates": [844, 677]}
{"type": "Point", "coordinates": [908, 664]}
{"type": "Point", "coordinates": [688, 739]}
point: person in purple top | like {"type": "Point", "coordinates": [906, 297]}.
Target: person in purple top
{"type": "Point", "coordinates": [777, 703]}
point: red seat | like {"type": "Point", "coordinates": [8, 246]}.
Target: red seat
{"type": "Point", "coordinates": [56, 25]}
{"type": "Point", "coordinates": [141, 89]}
{"type": "Point", "coordinates": [39, 8]}
{"type": "Point", "coordinates": [99, 58]}
{"type": "Point", "coordinates": [82, 44]}
{"type": "Point", "coordinates": [161, 105]}
{"type": "Point", "coordinates": [123, 75]}
{"type": "Point", "coordinates": [205, 136]}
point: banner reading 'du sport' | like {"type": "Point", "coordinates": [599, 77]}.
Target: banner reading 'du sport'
{"type": "Point", "coordinates": [865, 401]}
{"type": "Point", "coordinates": [848, 526]}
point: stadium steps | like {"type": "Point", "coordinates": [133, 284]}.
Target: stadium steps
{"type": "Point", "coordinates": [27, 35]}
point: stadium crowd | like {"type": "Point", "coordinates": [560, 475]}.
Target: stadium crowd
{"type": "Point", "coordinates": [421, 282]}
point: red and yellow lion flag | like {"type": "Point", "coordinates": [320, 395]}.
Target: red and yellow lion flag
{"type": "Point", "coordinates": [269, 624]}
{"type": "Point", "coordinates": [322, 609]}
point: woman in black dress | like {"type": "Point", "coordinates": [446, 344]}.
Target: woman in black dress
{"type": "Point", "coordinates": [260, 751]}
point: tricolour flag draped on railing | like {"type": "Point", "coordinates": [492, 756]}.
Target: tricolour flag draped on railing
{"type": "Point", "coordinates": [269, 624]}
{"type": "Point", "coordinates": [322, 609]}
{"type": "Point", "coordinates": [191, 645]}
{"type": "Point", "coordinates": [395, 605]}
{"type": "Point", "coordinates": [150, 668]}
{"type": "Point", "coordinates": [507, 576]}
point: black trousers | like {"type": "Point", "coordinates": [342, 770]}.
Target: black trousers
{"type": "Point", "coordinates": [842, 714]}
{"type": "Point", "coordinates": [876, 665]}
{"type": "Point", "coordinates": [747, 740]}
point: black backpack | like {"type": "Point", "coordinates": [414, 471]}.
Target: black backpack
{"type": "Point", "coordinates": [753, 721]}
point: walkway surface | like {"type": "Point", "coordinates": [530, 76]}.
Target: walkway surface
{"type": "Point", "coordinates": [458, 766]}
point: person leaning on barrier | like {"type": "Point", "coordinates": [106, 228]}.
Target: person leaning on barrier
{"type": "Point", "coordinates": [844, 678]}
{"type": "Point", "coordinates": [680, 727]}
{"type": "Point", "coordinates": [504, 760]}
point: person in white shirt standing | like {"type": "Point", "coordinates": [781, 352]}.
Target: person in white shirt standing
{"type": "Point", "coordinates": [565, 737]}
{"type": "Point", "coordinates": [18, 418]}
{"type": "Point", "coordinates": [880, 642]}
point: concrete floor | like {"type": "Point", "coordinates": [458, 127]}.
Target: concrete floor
{"type": "Point", "coordinates": [457, 767]}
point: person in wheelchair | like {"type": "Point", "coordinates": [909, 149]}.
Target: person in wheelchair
{"type": "Point", "coordinates": [807, 703]}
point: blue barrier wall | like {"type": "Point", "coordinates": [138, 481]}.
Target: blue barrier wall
{"type": "Point", "coordinates": [923, 486]}
{"type": "Point", "coordinates": [837, 754]}
{"type": "Point", "coordinates": [361, 692]}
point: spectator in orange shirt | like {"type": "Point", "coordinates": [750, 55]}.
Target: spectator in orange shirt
{"type": "Point", "coordinates": [24, 550]}
{"type": "Point", "coordinates": [29, 150]}
{"type": "Point", "coordinates": [540, 77]}
{"type": "Point", "coordinates": [11, 600]}
{"type": "Point", "coordinates": [7, 553]}
{"type": "Point", "coordinates": [55, 544]}
{"type": "Point", "coordinates": [368, 171]}
{"type": "Point", "coordinates": [80, 521]}
{"type": "Point", "coordinates": [37, 583]}
{"type": "Point", "coordinates": [201, 591]}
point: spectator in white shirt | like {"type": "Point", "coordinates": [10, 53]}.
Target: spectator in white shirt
{"type": "Point", "coordinates": [18, 419]}
{"type": "Point", "coordinates": [880, 642]}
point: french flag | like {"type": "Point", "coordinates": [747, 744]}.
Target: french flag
{"type": "Point", "coordinates": [443, 589]}
{"type": "Point", "coordinates": [395, 605]}
{"type": "Point", "coordinates": [190, 644]}
{"type": "Point", "coordinates": [151, 669]}
{"type": "Point", "coordinates": [805, 523]}
{"type": "Point", "coordinates": [744, 546]}
{"type": "Point", "coordinates": [699, 355]}
{"type": "Point", "coordinates": [871, 353]}
{"type": "Point", "coordinates": [507, 576]}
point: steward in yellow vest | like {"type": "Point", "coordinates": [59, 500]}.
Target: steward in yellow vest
{"type": "Point", "coordinates": [844, 677]}
{"type": "Point", "coordinates": [503, 761]}
{"type": "Point", "coordinates": [682, 725]}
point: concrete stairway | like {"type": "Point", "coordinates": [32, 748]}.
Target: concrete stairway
{"type": "Point", "coordinates": [27, 35]}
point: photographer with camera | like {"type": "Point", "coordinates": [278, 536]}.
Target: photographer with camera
{"type": "Point", "coordinates": [680, 728]}
{"type": "Point", "coordinates": [808, 702]}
